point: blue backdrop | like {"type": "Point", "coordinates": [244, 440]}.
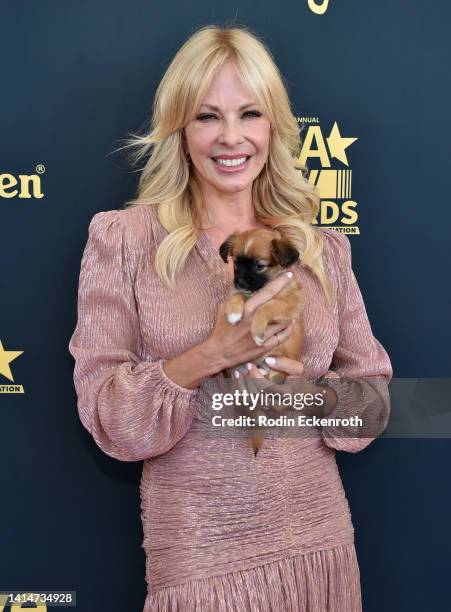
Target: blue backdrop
{"type": "Point", "coordinates": [76, 78]}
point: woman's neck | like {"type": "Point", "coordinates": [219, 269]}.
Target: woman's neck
{"type": "Point", "coordinates": [238, 213]}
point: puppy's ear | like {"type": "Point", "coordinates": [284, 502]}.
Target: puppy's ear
{"type": "Point", "coordinates": [226, 246]}
{"type": "Point", "coordinates": [284, 252]}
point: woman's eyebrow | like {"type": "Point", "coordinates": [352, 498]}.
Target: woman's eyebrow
{"type": "Point", "coordinates": [241, 107]}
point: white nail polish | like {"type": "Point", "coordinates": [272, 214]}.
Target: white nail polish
{"type": "Point", "coordinates": [289, 274]}
{"type": "Point", "coordinates": [270, 360]}
{"type": "Point", "coordinates": [236, 374]}
{"type": "Point", "coordinates": [249, 366]}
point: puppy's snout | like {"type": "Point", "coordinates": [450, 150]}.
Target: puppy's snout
{"type": "Point", "coordinates": [241, 283]}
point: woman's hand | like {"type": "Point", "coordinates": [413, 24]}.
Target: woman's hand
{"type": "Point", "coordinates": [290, 367]}
{"type": "Point", "coordinates": [233, 344]}
{"type": "Point", "coordinates": [316, 400]}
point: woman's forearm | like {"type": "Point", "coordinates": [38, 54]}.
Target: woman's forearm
{"type": "Point", "coordinates": [193, 366]}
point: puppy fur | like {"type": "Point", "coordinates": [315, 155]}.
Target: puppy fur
{"type": "Point", "coordinates": [259, 255]}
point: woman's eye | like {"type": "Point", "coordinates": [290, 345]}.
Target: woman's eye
{"type": "Point", "coordinates": [205, 117]}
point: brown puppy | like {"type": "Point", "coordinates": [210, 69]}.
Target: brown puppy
{"type": "Point", "coordinates": [259, 256]}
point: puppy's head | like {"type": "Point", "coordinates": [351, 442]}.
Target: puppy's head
{"type": "Point", "coordinates": [258, 256]}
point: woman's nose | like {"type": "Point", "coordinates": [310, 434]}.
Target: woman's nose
{"type": "Point", "coordinates": [230, 133]}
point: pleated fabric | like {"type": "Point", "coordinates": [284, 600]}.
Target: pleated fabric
{"type": "Point", "coordinates": [325, 580]}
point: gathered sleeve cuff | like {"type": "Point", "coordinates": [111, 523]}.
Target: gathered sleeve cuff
{"type": "Point", "coordinates": [132, 409]}
{"type": "Point", "coordinates": [361, 369]}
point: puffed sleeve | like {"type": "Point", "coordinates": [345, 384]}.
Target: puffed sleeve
{"type": "Point", "coordinates": [361, 369]}
{"type": "Point", "coordinates": [132, 409]}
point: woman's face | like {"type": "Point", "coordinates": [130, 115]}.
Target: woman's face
{"type": "Point", "coordinates": [228, 131]}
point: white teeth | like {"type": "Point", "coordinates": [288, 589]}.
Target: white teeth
{"type": "Point", "coordinates": [231, 162]}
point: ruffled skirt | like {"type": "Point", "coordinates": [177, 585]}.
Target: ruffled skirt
{"type": "Point", "coordinates": [322, 581]}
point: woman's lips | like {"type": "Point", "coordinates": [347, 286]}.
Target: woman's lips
{"type": "Point", "coordinates": [227, 169]}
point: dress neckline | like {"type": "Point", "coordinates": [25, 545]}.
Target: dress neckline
{"type": "Point", "coordinates": [212, 256]}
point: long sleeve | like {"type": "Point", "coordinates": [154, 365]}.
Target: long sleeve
{"type": "Point", "coordinates": [360, 370]}
{"type": "Point", "coordinates": [132, 409]}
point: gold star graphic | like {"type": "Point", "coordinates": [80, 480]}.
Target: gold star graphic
{"type": "Point", "coordinates": [337, 144]}
{"type": "Point", "coordinates": [5, 359]}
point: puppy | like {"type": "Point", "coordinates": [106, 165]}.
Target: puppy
{"type": "Point", "coordinates": [259, 255]}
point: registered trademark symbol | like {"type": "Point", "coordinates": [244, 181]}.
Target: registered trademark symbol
{"type": "Point", "coordinates": [40, 168]}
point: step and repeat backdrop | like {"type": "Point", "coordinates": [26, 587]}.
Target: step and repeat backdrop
{"type": "Point", "coordinates": [369, 85]}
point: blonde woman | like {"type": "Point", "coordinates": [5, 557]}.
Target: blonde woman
{"type": "Point", "coordinates": [224, 530]}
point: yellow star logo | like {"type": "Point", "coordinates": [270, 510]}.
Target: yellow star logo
{"type": "Point", "coordinates": [337, 144]}
{"type": "Point", "coordinates": [5, 359]}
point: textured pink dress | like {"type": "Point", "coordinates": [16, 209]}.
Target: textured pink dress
{"type": "Point", "coordinates": [223, 531]}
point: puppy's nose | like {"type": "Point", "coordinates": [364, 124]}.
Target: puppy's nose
{"type": "Point", "coordinates": [241, 283]}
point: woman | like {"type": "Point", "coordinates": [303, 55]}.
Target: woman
{"type": "Point", "coordinates": [224, 530]}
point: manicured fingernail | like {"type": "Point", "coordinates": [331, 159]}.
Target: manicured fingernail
{"type": "Point", "coordinates": [249, 366]}
{"type": "Point", "coordinates": [236, 374]}
{"type": "Point", "coordinates": [294, 321]}
{"type": "Point", "coordinates": [270, 360]}
{"type": "Point", "coordinates": [289, 274]}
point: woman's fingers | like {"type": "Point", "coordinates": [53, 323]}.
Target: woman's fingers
{"type": "Point", "coordinates": [254, 372]}
{"type": "Point", "coordinates": [276, 328]}
{"type": "Point", "coordinates": [255, 382]}
{"type": "Point", "coordinates": [291, 367]}
{"type": "Point", "coordinates": [267, 292]}
{"type": "Point", "coordinates": [244, 381]}
{"type": "Point", "coordinates": [279, 337]}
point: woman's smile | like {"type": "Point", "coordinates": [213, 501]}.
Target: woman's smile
{"type": "Point", "coordinates": [230, 166]}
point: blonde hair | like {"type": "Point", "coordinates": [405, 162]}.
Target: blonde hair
{"type": "Point", "coordinates": [282, 196]}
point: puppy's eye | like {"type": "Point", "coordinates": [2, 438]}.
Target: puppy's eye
{"type": "Point", "coordinates": [259, 266]}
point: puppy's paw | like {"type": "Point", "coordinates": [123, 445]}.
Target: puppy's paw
{"type": "Point", "coordinates": [277, 377]}
{"type": "Point", "coordinates": [258, 339]}
{"type": "Point", "coordinates": [261, 318]}
{"type": "Point", "coordinates": [234, 308]}
{"type": "Point", "coordinates": [262, 366]}
{"type": "Point", "coordinates": [234, 317]}
{"type": "Point", "coordinates": [258, 332]}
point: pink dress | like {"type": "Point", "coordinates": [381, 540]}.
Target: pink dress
{"type": "Point", "coordinates": [222, 531]}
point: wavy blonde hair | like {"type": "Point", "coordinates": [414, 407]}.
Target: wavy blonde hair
{"type": "Point", "coordinates": [282, 196]}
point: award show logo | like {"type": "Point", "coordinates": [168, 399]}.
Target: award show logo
{"type": "Point", "coordinates": [6, 357]}
{"type": "Point", "coordinates": [318, 7]}
{"type": "Point", "coordinates": [25, 186]}
{"type": "Point", "coordinates": [334, 184]}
